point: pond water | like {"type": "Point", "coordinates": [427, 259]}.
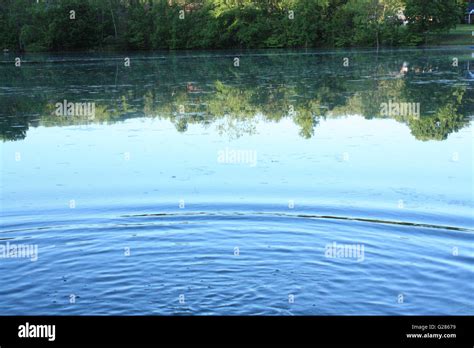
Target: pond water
{"type": "Point", "coordinates": [279, 183]}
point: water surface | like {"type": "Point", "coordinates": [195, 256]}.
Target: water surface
{"type": "Point", "coordinates": [199, 187]}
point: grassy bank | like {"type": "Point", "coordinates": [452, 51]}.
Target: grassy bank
{"type": "Point", "coordinates": [461, 35]}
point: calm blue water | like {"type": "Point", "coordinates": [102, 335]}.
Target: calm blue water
{"type": "Point", "coordinates": [199, 187]}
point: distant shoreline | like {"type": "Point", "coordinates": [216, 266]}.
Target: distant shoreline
{"type": "Point", "coordinates": [301, 50]}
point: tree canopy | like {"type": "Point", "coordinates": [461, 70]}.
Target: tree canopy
{"type": "Point", "coordinates": [212, 92]}
{"type": "Point", "coordinates": [58, 25]}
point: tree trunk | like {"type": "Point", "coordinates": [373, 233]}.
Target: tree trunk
{"type": "Point", "coordinates": [113, 19]}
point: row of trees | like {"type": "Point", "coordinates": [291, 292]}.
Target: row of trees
{"type": "Point", "coordinates": [54, 25]}
{"type": "Point", "coordinates": [234, 113]}
{"type": "Point", "coordinates": [303, 88]}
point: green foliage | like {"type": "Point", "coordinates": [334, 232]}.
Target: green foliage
{"type": "Point", "coordinates": [447, 119]}
{"type": "Point", "coordinates": [426, 17]}
{"type": "Point", "coordinates": [233, 101]}
{"type": "Point", "coordinates": [205, 24]}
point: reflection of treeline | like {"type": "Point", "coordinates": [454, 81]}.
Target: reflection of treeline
{"type": "Point", "coordinates": [49, 25]}
{"type": "Point", "coordinates": [235, 108]}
